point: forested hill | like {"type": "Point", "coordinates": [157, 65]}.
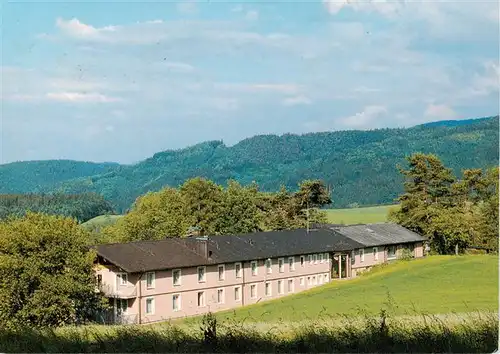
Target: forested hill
{"type": "Point", "coordinates": [35, 176]}
{"type": "Point", "coordinates": [359, 165]}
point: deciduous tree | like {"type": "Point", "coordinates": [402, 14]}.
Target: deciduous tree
{"type": "Point", "coordinates": [46, 272]}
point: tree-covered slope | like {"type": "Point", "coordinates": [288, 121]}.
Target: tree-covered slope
{"type": "Point", "coordinates": [359, 165]}
{"type": "Point", "coordinates": [34, 176]}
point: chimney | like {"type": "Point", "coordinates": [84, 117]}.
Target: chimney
{"type": "Point", "coordinates": [202, 246]}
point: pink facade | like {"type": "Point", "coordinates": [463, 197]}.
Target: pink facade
{"type": "Point", "coordinates": [153, 296]}
{"type": "Point", "coordinates": [365, 258]}
{"type": "Point", "coordinates": [167, 294]}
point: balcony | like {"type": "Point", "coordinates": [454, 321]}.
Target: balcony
{"type": "Point", "coordinates": [121, 292]}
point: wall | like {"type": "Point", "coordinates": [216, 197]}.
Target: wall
{"type": "Point", "coordinates": [382, 256]}
{"type": "Point", "coordinates": [164, 289]}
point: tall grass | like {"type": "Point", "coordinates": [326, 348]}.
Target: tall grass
{"type": "Point", "coordinates": [473, 333]}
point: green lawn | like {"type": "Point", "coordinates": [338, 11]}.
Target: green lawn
{"type": "Point", "coordinates": [101, 221]}
{"type": "Point", "coordinates": [434, 285]}
{"type": "Point", "coordinates": [359, 215]}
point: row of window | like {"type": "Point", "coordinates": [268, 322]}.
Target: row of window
{"type": "Point", "coordinates": [221, 269]}
{"type": "Point", "coordinates": [391, 254]}
{"type": "Point", "coordinates": [176, 298]}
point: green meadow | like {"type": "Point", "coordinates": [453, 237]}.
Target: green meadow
{"type": "Point", "coordinates": [359, 215]}
{"type": "Point", "coordinates": [431, 285]}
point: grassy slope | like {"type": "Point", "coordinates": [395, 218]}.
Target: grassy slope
{"type": "Point", "coordinates": [436, 285]}
{"type": "Point", "coordinates": [359, 215]}
{"type": "Point", "coordinates": [101, 221]}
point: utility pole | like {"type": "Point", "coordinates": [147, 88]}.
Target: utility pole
{"type": "Point", "coordinates": [307, 217]}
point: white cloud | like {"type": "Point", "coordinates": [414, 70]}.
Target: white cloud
{"type": "Point", "coordinates": [69, 84]}
{"type": "Point", "coordinates": [178, 67]}
{"type": "Point", "coordinates": [252, 15]}
{"type": "Point", "coordinates": [364, 119]}
{"type": "Point", "coordinates": [78, 29]}
{"type": "Point", "coordinates": [487, 83]}
{"type": "Point", "coordinates": [187, 7]}
{"type": "Point", "coordinates": [278, 88]}
{"type": "Point", "coordinates": [154, 32]}
{"type": "Point", "coordinates": [440, 112]}
{"type": "Point", "coordinates": [296, 100]}
{"type": "Point", "coordinates": [386, 8]}
{"type": "Point", "coordinates": [78, 97]}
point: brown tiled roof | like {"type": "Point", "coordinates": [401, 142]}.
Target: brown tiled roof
{"type": "Point", "coordinates": [187, 252]}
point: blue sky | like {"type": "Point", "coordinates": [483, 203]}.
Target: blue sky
{"type": "Point", "coordinates": [119, 81]}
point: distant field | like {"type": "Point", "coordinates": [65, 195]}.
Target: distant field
{"type": "Point", "coordinates": [434, 285]}
{"type": "Point", "coordinates": [101, 221]}
{"type": "Point", "coordinates": [359, 215]}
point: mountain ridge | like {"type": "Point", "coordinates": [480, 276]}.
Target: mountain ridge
{"type": "Point", "coordinates": [360, 164]}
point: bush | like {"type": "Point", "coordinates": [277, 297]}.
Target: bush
{"type": "Point", "coordinates": [382, 334]}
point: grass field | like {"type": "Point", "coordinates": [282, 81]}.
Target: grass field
{"type": "Point", "coordinates": [101, 221]}
{"type": "Point", "coordinates": [359, 215]}
{"type": "Point", "coordinates": [435, 285]}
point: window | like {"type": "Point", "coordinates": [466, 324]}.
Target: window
{"type": "Point", "coordinates": [280, 287]}
{"type": "Point", "coordinates": [310, 258]}
{"type": "Point", "coordinates": [201, 299]}
{"type": "Point", "coordinates": [150, 306]}
{"type": "Point", "coordinates": [221, 270]}
{"type": "Point", "coordinates": [320, 279]}
{"type": "Point", "coordinates": [253, 291]}
{"type": "Point", "coordinates": [290, 285]}
{"type": "Point", "coordinates": [201, 274]}
{"type": "Point", "coordinates": [391, 252]}
{"type": "Point", "coordinates": [150, 280]}
{"type": "Point", "coordinates": [122, 306]}
{"type": "Point", "coordinates": [176, 302]}
{"type": "Point", "coordinates": [321, 258]}
{"type": "Point", "coordinates": [99, 280]}
{"type": "Point", "coordinates": [122, 278]}
{"type": "Point", "coordinates": [281, 265]}
{"type": "Point", "coordinates": [314, 280]}
{"type": "Point", "coordinates": [327, 257]}
{"type": "Point", "coordinates": [361, 255]}
{"type": "Point", "coordinates": [291, 263]}
{"type": "Point", "coordinates": [254, 268]}
{"type": "Point", "coordinates": [309, 282]}
{"type": "Point", "coordinates": [176, 277]}
{"type": "Point", "coordinates": [237, 293]}
{"type": "Point", "coordinates": [301, 281]}
{"type": "Point", "coordinates": [325, 278]}
{"type": "Point", "coordinates": [302, 260]}
{"type": "Point", "coordinates": [375, 253]}
{"type": "Point", "coordinates": [269, 266]}
{"type": "Point", "coordinates": [237, 269]}
{"type": "Point", "coordinates": [353, 257]}
{"type": "Point", "coordinates": [268, 289]}
{"type": "Point", "coordinates": [220, 296]}
{"type": "Point", "coordinates": [315, 258]}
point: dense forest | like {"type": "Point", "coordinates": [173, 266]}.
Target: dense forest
{"type": "Point", "coordinates": [39, 176]}
{"type": "Point", "coordinates": [360, 166]}
{"type": "Point", "coordinates": [81, 207]}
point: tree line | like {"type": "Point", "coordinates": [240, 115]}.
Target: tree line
{"type": "Point", "coordinates": [202, 206]}
{"type": "Point", "coordinates": [82, 207]}
{"type": "Point", "coordinates": [453, 213]}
